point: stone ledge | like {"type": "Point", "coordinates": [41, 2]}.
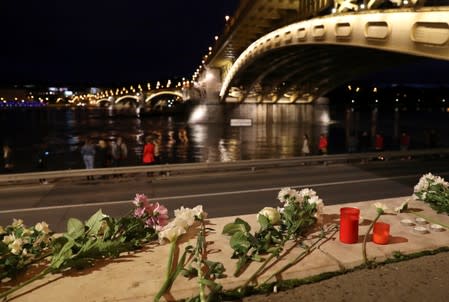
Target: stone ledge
{"type": "Point", "coordinates": [138, 276]}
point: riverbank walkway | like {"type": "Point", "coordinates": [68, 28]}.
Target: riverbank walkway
{"type": "Point", "coordinates": [138, 276]}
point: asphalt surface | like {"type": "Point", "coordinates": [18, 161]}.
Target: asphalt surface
{"type": "Point", "coordinates": [221, 194]}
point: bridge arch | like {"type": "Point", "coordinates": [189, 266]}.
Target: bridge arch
{"type": "Point", "coordinates": [306, 59]}
{"type": "Point", "coordinates": [122, 98]}
{"type": "Point", "coordinates": [159, 93]}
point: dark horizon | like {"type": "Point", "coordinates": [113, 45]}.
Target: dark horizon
{"type": "Point", "coordinates": [106, 43]}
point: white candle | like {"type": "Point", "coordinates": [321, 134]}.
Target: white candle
{"type": "Point", "coordinates": [407, 222]}
{"type": "Point", "coordinates": [436, 227]}
{"type": "Point", "coordinates": [420, 230]}
{"type": "Point", "coordinates": [420, 220]}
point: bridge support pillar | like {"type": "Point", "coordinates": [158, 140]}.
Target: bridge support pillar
{"type": "Point", "coordinates": [210, 84]}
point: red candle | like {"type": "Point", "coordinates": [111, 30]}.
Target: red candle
{"type": "Point", "coordinates": [349, 225]}
{"type": "Point", "coordinates": [381, 233]}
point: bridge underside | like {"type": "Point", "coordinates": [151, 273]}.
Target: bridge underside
{"type": "Point", "coordinates": [303, 73]}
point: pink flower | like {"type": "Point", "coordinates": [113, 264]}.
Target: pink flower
{"type": "Point", "coordinates": [140, 200]}
{"type": "Point", "coordinates": [139, 212]}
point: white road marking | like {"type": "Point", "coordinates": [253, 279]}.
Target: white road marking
{"type": "Point", "coordinates": [97, 204]}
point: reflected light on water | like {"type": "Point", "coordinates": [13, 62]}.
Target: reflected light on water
{"type": "Point", "coordinates": [198, 114]}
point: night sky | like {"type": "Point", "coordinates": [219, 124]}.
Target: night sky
{"type": "Point", "coordinates": [112, 43]}
{"type": "Point", "coordinates": [101, 42]}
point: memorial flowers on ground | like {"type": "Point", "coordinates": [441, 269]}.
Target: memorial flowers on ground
{"type": "Point", "coordinates": [292, 221]}
{"type": "Point", "coordinates": [21, 246]}
{"type": "Point", "coordinates": [100, 237]}
{"type": "Point", "coordinates": [171, 232]}
{"type": "Point", "coordinates": [433, 190]}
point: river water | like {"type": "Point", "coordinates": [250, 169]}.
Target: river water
{"type": "Point", "coordinates": [276, 131]}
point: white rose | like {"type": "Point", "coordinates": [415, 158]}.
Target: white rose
{"type": "Point", "coordinates": [16, 246]}
{"type": "Point", "coordinates": [380, 207]}
{"type": "Point", "coordinates": [17, 222]}
{"type": "Point", "coordinates": [171, 233]}
{"type": "Point", "coordinates": [272, 214]}
{"type": "Point", "coordinates": [42, 227]}
{"type": "Point", "coordinates": [186, 214]}
{"type": "Point", "coordinates": [8, 239]}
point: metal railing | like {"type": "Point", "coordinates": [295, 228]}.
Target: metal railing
{"type": "Point", "coordinates": [210, 167]}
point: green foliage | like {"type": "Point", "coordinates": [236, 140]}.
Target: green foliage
{"type": "Point", "coordinates": [100, 236]}
{"type": "Point", "coordinates": [435, 193]}
{"type": "Point", "coordinates": [21, 246]}
{"type": "Point", "coordinates": [296, 220]}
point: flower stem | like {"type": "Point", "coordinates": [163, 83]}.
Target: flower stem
{"type": "Point", "coordinates": [301, 256]}
{"type": "Point", "coordinates": [171, 255]}
{"type": "Point", "coordinates": [199, 252]}
{"type": "Point", "coordinates": [365, 239]}
{"type": "Point", "coordinates": [171, 276]}
{"type": "Point", "coordinates": [256, 273]}
{"type": "Point", "coordinates": [32, 279]}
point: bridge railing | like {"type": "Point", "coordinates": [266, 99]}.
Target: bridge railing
{"type": "Point", "coordinates": [212, 167]}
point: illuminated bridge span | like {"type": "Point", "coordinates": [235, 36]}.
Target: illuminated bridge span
{"type": "Point", "coordinates": [301, 61]}
{"type": "Point", "coordinates": [153, 99]}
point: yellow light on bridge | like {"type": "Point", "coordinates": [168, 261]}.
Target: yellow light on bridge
{"type": "Point", "coordinates": [216, 38]}
{"type": "Point", "coordinates": [227, 18]}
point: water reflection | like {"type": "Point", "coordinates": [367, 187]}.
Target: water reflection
{"type": "Point", "coordinates": [277, 131]}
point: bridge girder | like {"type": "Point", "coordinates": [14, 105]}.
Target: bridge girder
{"type": "Point", "coordinates": [368, 41]}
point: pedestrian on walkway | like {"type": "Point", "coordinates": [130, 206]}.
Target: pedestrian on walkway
{"type": "Point", "coordinates": [305, 150]}
{"type": "Point", "coordinates": [119, 152]}
{"type": "Point", "coordinates": [379, 142]}
{"type": "Point", "coordinates": [323, 144]}
{"type": "Point", "coordinates": [8, 163]}
{"type": "Point", "coordinates": [148, 153]}
{"type": "Point", "coordinates": [88, 153]}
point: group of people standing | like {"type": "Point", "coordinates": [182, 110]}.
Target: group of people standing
{"type": "Point", "coordinates": [322, 145]}
{"type": "Point", "coordinates": [102, 154]}
{"type": "Point", "coordinates": [363, 143]}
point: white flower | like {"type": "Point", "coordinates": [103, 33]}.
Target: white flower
{"type": "Point", "coordinates": [42, 227]}
{"type": "Point", "coordinates": [8, 239]}
{"type": "Point", "coordinates": [272, 214]}
{"type": "Point", "coordinates": [189, 214]}
{"type": "Point", "coordinates": [17, 223]}
{"type": "Point", "coordinates": [24, 252]}
{"type": "Point", "coordinates": [185, 214]}
{"type": "Point", "coordinates": [307, 193]}
{"type": "Point", "coordinates": [287, 195]}
{"type": "Point", "coordinates": [171, 233]}
{"type": "Point", "coordinates": [403, 207]}
{"type": "Point", "coordinates": [27, 232]}
{"type": "Point", "coordinates": [319, 204]}
{"type": "Point", "coordinates": [380, 207]}
{"type": "Point", "coordinates": [16, 246]}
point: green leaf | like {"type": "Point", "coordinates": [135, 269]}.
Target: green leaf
{"type": "Point", "coordinates": [75, 228]}
{"type": "Point", "coordinates": [263, 221]}
{"type": "Point", "coordinates": [238, 225]}
{"type": "Point", "coordinates": [240, 243]}
{"type": "Point", "coordinates": [94, 222]}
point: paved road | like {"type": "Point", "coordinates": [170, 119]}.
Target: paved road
{"type": "Point", "coordinates": [222, 194]}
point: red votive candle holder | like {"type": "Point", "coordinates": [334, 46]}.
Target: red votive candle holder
{"type": "Point", "coordinates": [349, 225]}
{"type": "Point", "coordinates": [381, 233]}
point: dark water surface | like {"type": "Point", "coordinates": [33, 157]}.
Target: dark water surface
{"type": "Point", "coordinates": [276, 131]}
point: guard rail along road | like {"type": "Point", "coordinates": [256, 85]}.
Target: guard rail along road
{"type": "Point", "coordinates": [209, 167]}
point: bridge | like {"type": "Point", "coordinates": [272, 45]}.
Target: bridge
{"type": "Point", "coordinates": [294, 51]}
